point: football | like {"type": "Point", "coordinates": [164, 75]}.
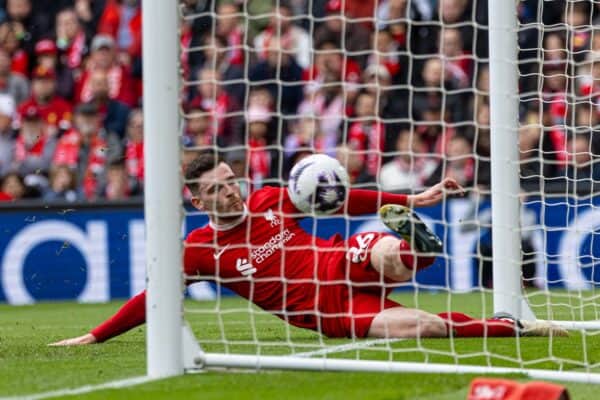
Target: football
{"type": "Point", "coordinates": [318, 184]}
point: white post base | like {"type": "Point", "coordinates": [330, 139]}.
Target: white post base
{"type": "Point", "coordinates": [190, 348]}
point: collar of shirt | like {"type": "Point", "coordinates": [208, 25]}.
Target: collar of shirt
{"type": "Point", "coordinates": [231, 225]}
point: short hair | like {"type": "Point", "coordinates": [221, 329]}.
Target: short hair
{"type": "Point", "coordinates": [203, 163]}
{"type": "Point", "coordinates": [117, 163]}
{"type": "Point", "coordinates": [328, 39]}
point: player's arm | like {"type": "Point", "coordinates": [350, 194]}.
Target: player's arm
{"type": "Point", "coordinates": [361, 201]}
{"type": "Point", "coordinates": [130, 315]}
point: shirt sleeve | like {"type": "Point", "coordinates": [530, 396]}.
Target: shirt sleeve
{"type": "Point", "coordinates": [361, 201]}
{"type": "Point", "coordinates": [133, 313]}
{"type": "Point", "coordinates": [130, 315]}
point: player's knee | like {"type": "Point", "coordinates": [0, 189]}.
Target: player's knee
{"type": "Point", "coordinates": [432, 327]}
{"type": "Point", "coordinates": [386, 259]}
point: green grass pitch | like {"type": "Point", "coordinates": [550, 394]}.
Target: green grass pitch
{"type": "Point", "coordinates": [28, 366]}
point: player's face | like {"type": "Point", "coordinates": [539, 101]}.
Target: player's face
{"type": "Point", "coordinates": [219, 194]}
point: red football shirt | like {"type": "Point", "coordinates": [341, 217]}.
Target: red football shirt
{"type": "Point", "coordinates": [266, 257]}
{"type": "Point", "coordinates": [57, 112]}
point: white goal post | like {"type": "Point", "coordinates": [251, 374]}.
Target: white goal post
{"type": "Point", "coordinates": [504, 127]}
{"type": "Point", "coordinates": [172, 348]}
{"type": "Point", "coordinates": [162, 201]}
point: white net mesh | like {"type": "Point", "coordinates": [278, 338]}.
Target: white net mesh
{"type": "Point", "coordinates": [398, 90]}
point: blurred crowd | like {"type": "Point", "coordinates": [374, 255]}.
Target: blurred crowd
{"type": "Point", "coordinates": [398, 90]}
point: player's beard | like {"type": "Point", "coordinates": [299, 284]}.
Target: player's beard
{"type": "Point", "coordinates": [236, 207]}
{"type": "Point", "coordinates": [228, 214]}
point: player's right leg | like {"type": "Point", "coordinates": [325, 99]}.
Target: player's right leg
{"type": "Point", "coordinates": [400, 322]}
{"type": "Point", "coordinates": [397, 258]}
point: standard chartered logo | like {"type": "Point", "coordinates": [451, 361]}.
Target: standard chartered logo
{"type": "Point", "coordinates": [276, 242]}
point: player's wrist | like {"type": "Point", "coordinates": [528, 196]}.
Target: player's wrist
{"type": "Point", "coordinates": [89, 338]}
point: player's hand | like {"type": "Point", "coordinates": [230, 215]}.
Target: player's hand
{"type": "Point", "coordinates": [435, 194]}
{"type": "Point", "coordinates": [88, 338]}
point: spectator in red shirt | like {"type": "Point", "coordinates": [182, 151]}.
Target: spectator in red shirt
{"type": "Point", "coordinates": [12, 187]}
{"type": "Point", "coordinates": [215, 56]}
{"type": "Point", "coordinates": [341, 25]}
{"type": "Point", "coordinates": [119, 185]}
{"type": "Point", "coordinates": [432, 124]}
{"type": "Point", "coordinates": [578, 17]}
{"type": "Point", "coordinates": [103, 57]}
{"type": "Point", "coordinates": [353, 163]}
{"type": "Point", "coordinates": [297, 41]}
{"type": "Point", "coordinates": [55, 111]}
{"type": "Point", "coordinates": [34, 147]}
{"type": "Point", "coordinates": [457, 62]}
{"type": "Point", "coordinates": [440, 89]}
{"type": "Point", "coordinates": [454, 12]}
{"type": "Point", "coordinates": [331, 59]}
{"type": "Point", "coordinates": [134, 147]}
{"type": "Point", "coordinates": [35, 23]}
{"type": "Point", "coordinates": [306, 136]}
{"type": "Point", "coordinates": [62, 185]}
{"type": "Point", "coordinates": [260, 158]}
{"type": "Point", "coordinates": [113, 113]}
{"type": "Point", "coordinates": [87, 148]}
{"type": "Point", "coordinates": [5, 196]}
{"type": "Point", "coordinates": [199, 130]}
{"type": "Point", "coordinates": [458, 163]}
{"type": "Point", "coordinates": [327, 105]}
{"type": "Point", "coordinates": [393, 14]}
{"type": "Point", "coordinates": [230, 27]}
{"type": "Point", "coordinates": [555, 87]}
{"type": "Point", "coordinates": [214, 99]}
{"type": "Point", "coordinates": [10, 40]}
{"type": "Point", "coordinates": [70, 39]}
{"type": "Point", "coordinates": [366, 134]}
{"type": "Point", "coordinates": [411, 165]}
{"type": "Point", "coordinates": [281, 75]}
{"type": "Point", "coordinates": [88, 12]}
{"type": "Point", "coordinates": [46, 54]}
{"type": "Point", "coordinates": [122, 19]}
{"type": "Point", "coordinates": [385, 52]}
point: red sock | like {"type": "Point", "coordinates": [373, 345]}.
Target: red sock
{"type": "Point", "coordinates": [465, 326]}
{"type": "Point", "coordinates": [411, 259]}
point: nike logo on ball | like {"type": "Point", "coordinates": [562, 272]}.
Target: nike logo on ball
{"type": "Point", "coordinates": [218, 253]}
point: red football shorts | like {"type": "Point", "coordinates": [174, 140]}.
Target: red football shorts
{"type": "Point", "coordinates": [352, 292]}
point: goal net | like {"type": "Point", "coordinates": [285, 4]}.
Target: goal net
{"type": "Point", "coordinates": [404, 93]}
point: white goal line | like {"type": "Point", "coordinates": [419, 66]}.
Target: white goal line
{"type": "Point", "coordinates": [346, 347]}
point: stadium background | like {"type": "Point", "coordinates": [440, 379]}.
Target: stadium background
{"type": "Point", "coordinates": [401, 102]}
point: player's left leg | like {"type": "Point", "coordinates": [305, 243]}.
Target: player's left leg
{"type": "Point", "coordinates": [387, 259]}
{"type": "Point", "coordinates": [416, 249]}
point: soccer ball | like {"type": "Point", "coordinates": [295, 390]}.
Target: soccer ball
{"type": "Point", "coordinates": [318, 184]}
